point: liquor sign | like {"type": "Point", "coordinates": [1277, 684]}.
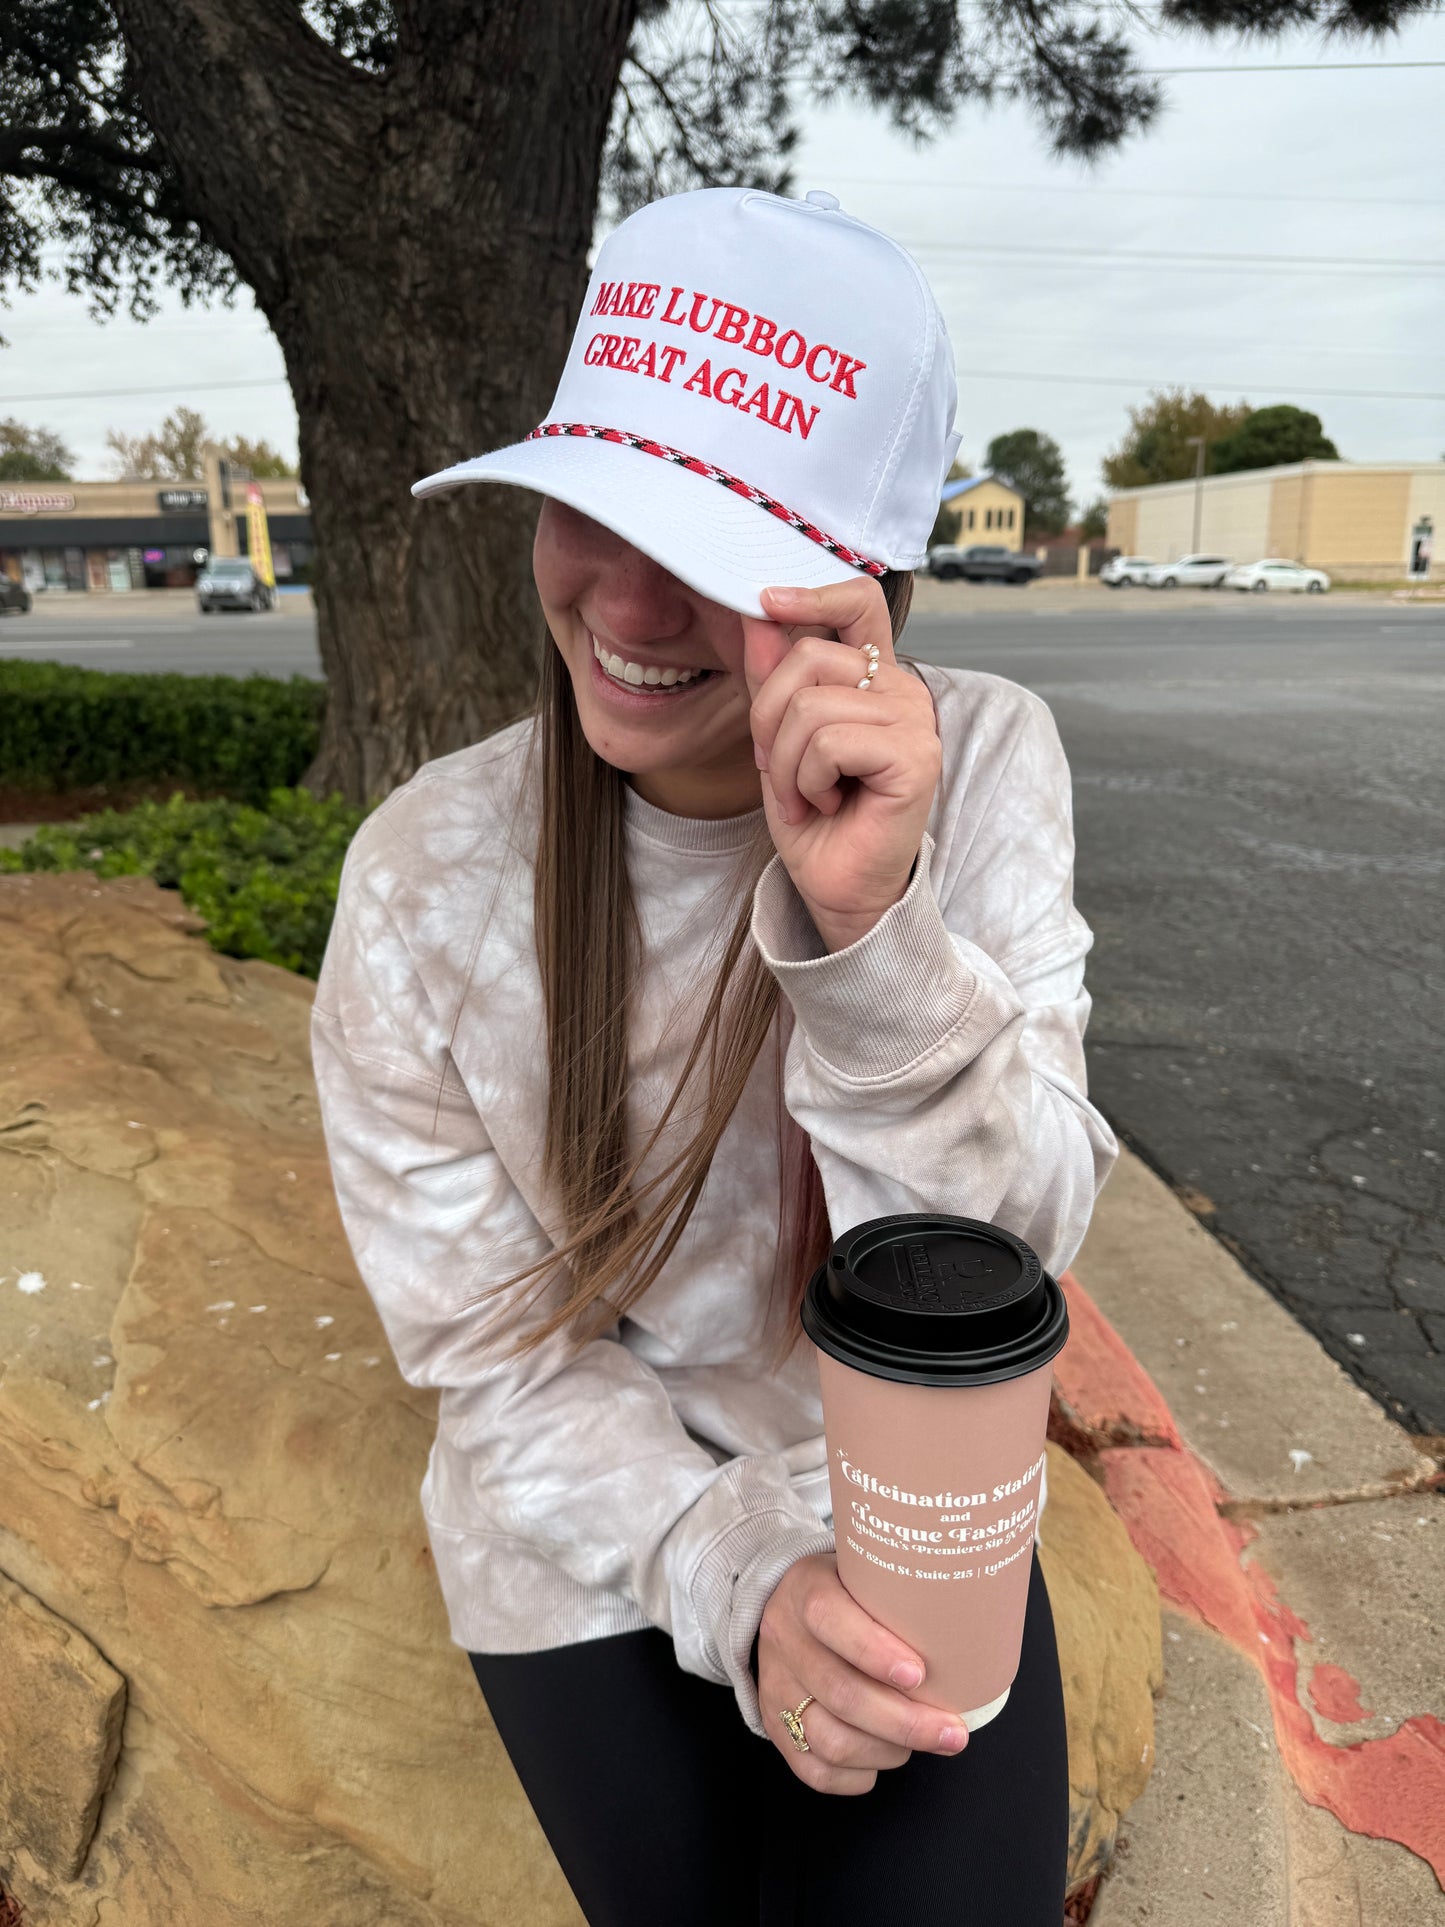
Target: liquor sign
{"type": "Point", "coordinates": [258, 536]}
{"type": "Point", "coordinates": [32, 501]}
{"type": "Point", "coordinates": [172, 500]}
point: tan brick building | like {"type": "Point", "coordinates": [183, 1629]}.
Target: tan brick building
{"type": "Point", "coordinates": [102, 538]}
{"type": "Point", "coordinates": [1357, 520]}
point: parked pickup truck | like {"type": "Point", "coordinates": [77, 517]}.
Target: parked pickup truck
{"type": "Point", "coordinates": [982, 563]}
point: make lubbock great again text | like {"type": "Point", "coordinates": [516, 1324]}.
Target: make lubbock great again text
{"type": "Point", "coordinates": [754, 334]}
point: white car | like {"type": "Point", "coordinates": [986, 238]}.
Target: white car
{"type": "Point", "coordinates": [1277, 573]}
{"type": "Point", "coordinates": [1123, 571]}
{"type": "Point", "coordinates": [1189, 572]}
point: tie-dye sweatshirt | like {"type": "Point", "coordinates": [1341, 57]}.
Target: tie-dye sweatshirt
{"type": "Point", "coordinates": [662, 1475]}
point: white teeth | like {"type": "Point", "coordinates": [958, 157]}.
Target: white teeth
{"type": "Point", "coordinates": [635, 674]}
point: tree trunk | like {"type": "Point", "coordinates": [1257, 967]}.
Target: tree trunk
{"type": "Point", "coordinates": [417, 241]}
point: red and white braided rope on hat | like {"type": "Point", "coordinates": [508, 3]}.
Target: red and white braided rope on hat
{"type": "Point", "coordinates": [716, 474]}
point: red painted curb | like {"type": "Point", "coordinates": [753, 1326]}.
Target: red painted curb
{"type": "Point", "coordinates": [1168, 1499]}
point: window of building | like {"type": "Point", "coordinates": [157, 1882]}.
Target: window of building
{"type": "Point", "coordinates": [988, 518]}
{"type": "Point", "coordinates": [970, 518]}
{"type": "Point", "coordinates": [1010, 518]}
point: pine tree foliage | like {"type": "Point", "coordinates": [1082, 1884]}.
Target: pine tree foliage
{"type": "Point", "coordinates": [708, 95]}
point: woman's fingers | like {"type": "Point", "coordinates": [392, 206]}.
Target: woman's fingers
{"type": "Point", "coordinates": [833, 1616]}
{"type": "Point", "coordinates": [839, 1758]}
{"type": "Point", "coordinates": [856, 611]}
{"type": "Point", "coordinates": [857, 1700]}
{"type": "Point", "coordinates": [816, 1639]}
{"type": "Point", "coordinates": [826, 732]}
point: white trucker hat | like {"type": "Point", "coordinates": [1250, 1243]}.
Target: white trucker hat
{"type": "Point", "coordinates": [760, 390]}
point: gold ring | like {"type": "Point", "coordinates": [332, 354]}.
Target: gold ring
{"type": "Point", "coordinates": [789, 1716]}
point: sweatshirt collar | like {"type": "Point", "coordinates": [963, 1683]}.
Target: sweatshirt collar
{"type": "Point", "coordinates": [698, 833]}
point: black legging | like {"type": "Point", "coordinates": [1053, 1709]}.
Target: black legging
{"type": "Point", "coordinates": [664, 1810]}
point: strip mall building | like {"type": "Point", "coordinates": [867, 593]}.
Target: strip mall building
{"type": "Point", "coordinates": [1356, 520]}
{"type": "Point", "coordinates": [103, 538]}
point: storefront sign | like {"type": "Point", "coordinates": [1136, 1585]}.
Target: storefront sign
{"type": "Point", "coordinates": [31, 501]}
{"type": "Point", "coordinates": [182, 499]}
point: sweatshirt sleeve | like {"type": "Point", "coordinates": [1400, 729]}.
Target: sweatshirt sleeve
{"type": "Point", "coordinates": [577, 1451]}
{"type": "Point", "coordinates": [937, 1063]}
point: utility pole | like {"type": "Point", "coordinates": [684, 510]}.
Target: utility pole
{"type": "Point", "coordinates": [1199, 442]}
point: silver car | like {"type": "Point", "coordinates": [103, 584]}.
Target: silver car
{"type": "Point", "coordinates": [1277, 572]}
{"type": "Point", "coordinates": [230, 582]}
{"type": "Point", "coordinates": [1123, 571]}
{"type": "Point", "coordinates": [1189, 572]}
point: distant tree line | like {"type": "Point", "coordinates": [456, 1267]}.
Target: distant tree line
{"type": "Point", "coordinates": [1156, 448]}
{"type": "Point", "coordinates": [171, 453]}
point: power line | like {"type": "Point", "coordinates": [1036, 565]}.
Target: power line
{"type": "Point", "coordinates": [1305, 67]}
{"type": "Point", "coordinates": [1189, 258]}
{"type": "Point", "coordinates": [964, 374]}
{"type": "Point", "coordinates": [1143, 193]}
{"type": "Point", "coordinates": [1210, 344]}
{"type": "Point", "coordinates": [1141, 381]}
{"type": "Point", "coordinates": [168, 388]}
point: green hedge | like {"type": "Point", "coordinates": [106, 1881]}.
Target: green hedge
{"type": "Point", "coordinates": [243, 736]}
{"type": "Point", "coordinates": [264, 880]}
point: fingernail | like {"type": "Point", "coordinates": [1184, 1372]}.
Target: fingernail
{"type": "Point", "coordinates": [905, 1673]}
{"type": "Point", "coordinates": [955, 1738]}
{"type": "Point", "coordinates": [791, 597]}
{"type": "Point", "coordinates": [760, 756]}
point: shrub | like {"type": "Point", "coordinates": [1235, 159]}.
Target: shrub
{"type": "Point", "coordinates": [264, 880]}
{"type": "Point", "coordinates": [64, 728]}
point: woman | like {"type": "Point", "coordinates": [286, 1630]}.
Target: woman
{"type": "Point", "coordinates": [754, 931]}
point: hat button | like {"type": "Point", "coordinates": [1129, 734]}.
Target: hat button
{"type": "Point", "coordinates": [820, 197]}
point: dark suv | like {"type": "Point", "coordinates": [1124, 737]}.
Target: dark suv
{"type": "Point", "coordinates": [14, 597]}
{"type": "Point", "coordinates": [230, 582]}
{"type": "Point", "coordinates": [982, 562]}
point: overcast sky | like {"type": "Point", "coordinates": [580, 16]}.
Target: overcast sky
{"type": "Point", "coordinates": [1051, 330]}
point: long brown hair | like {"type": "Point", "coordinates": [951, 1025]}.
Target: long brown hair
{"type": "Point", "coordinates": [588, 943]}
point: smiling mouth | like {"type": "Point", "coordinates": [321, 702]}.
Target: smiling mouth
{"type": "Point", "coordinates": [647, 679]}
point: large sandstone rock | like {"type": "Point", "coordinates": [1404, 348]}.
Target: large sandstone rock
{"type": "Point", "coordinates": [230, 1696]}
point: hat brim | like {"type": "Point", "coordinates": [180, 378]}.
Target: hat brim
{"type": "Point", "coordinates": [718, 542]}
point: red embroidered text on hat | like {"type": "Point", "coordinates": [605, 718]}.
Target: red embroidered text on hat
{"type": "Point", "coordinates": [759, 390]}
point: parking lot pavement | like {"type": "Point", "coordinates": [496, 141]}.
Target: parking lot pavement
{"type": "Point", "coordinates": [1259, 799]}
{"type": "Point", "coordinates": [162, 629]}
{"type": "Point", "coordinates": [1058, 595]}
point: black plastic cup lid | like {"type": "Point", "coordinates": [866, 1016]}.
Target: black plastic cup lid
{"type": "Point", "coordinates": [935, 1300]}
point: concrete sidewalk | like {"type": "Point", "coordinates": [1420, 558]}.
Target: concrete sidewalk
{"type": "Point", "coordinates": [1298, 1539]}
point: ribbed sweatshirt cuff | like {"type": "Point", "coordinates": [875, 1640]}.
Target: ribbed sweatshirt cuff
{"type": "Point", "coordinates": [732, 1585]}
{"type": "Point", "coordinates": [872, 1009]}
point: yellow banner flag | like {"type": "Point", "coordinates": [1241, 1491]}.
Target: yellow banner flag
{"type": "Point", "coordinates": [258, 535]}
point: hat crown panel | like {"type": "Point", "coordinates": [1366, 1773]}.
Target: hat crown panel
{"type": "Point", "coordinates": [783, 342]}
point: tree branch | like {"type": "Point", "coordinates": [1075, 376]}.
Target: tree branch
{"type": "Point", "coordinates": [14, 141]}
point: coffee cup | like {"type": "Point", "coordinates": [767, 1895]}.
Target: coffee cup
{"type": "Point", "coordinates": [934, 1338]}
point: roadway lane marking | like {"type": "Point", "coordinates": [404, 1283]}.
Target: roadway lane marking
{"type": "Point", "coordinates": [7, 647]}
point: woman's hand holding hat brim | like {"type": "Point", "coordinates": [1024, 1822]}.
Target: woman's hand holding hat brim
{"type": "Point", "coordinates": [848, 774]}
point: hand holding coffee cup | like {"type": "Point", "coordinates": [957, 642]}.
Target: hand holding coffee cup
{"type": "Point", "coordinates": [935, 1336]}
{"type": "Point", "coordinates": [815, 1639]}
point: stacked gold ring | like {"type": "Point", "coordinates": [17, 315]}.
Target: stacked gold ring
{"type": "Point", "coordinates": [789, 1717]}
{"type": "Point", "coordinates": [870, 650]}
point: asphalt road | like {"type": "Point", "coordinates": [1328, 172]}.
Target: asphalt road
{"type": "Point", "coordinates": [1260, 808]}
{"type": "Point", "coordinates": [1260, 811]}
{"type": "Point", "coordinates": [160, 631]}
